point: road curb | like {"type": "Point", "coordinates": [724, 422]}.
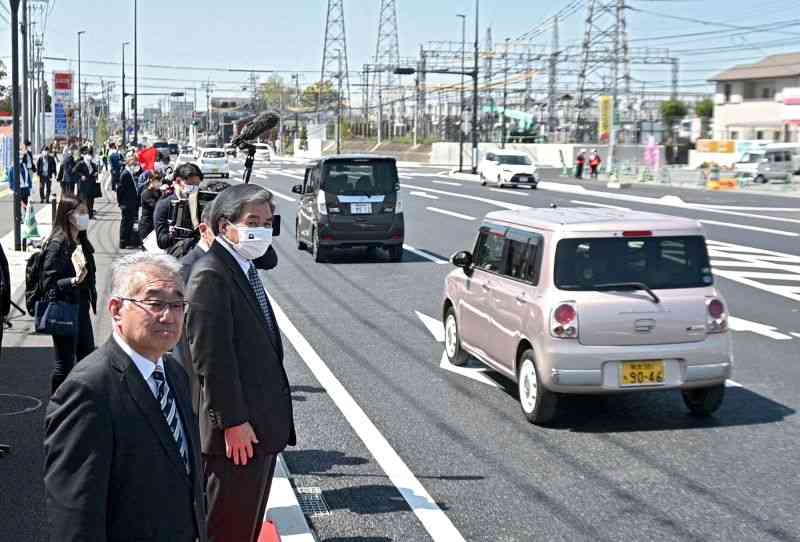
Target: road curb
{"type": "Point", "coordinates": [284, 520]}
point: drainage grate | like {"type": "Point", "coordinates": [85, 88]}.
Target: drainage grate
{"type": "Point", "coordinates": [312, 503]}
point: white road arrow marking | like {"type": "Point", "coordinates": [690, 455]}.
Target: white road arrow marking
{"type": "Point", "coordinates": [422, 195]}
{"type": "Point", "coordinates": [739, 324]}
{"type": "Point", "coordinates": [433, 325]}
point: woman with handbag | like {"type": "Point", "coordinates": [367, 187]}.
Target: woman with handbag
{"type": "Point", "coordinates": [70, 278]}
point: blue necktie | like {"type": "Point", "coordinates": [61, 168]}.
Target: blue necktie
{"type": "Point", "coordinates": [170, 410]}
{"type": "Point", "coordinates": [263, 300]}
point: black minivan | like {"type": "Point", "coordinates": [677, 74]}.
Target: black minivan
{"type": "Point", "coordinates": [350, 201]}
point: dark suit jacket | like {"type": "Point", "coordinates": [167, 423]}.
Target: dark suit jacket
{"type": "Point", "coordinates": [238, 367]}
{"type": "Point", "coordinates": [65, 171]}
{"type": "Point", "coordinates": [112, 468]}
{"type": "Point", "coordinates": [127, 196]}
{"type": "Point", "coordinates": [51, 166]}
{"type": "Point", "coordinates": [161, 222]}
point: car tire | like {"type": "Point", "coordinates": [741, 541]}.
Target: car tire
{"type": "Point", "coordinates": [537, 403]}
{"type": "Point", "coordinates": [499, 181]}
{"type": "Point", "coordinates": [320, 254]}
{"type": "Point", "coordinates": [760, 179]}
{"type": "Point", "coordinates": [396, 253]}
{"type": "Point", "coordinates": [483, 180]}
{"type": "Point", "coordinates": [452, 339]}
{"type": "Point", "coordinates": [703, 402]}
{"type": "Point", "coordinates": [301, 245]}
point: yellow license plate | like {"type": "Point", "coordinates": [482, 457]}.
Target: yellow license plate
{"type": "Point", "coordinates": [641, 373]}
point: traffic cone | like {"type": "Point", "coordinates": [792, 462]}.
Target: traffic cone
{"type": "Point", "coordinates": [30, 229]}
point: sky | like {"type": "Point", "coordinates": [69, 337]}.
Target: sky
{"type": "Point", "coordinates": [288, 35]}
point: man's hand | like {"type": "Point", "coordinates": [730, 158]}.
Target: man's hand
{"type": "Point", "coordinates": [239, 442]}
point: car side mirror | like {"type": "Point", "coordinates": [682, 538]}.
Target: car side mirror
{"type": "Point", "coordinates": [276, 225]}
{"type": "Point", "coordinates": [462, 259]}
{"type": "Point", "coordinates": [297, 189]}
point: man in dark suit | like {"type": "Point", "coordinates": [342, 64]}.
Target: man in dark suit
{"type": "Point", "coordinates": [244, 404]}
{"type": "Point", "coordinates": [122, 451]}
{"type": "Point", "coordinates": [128, 202]}
{"type": "Point", "coordinates": [46, 167]}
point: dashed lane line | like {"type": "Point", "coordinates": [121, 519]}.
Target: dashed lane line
{"type": "Point", "coordinates": [423, 254]}
{"type": "Point", "coordinates": [421, 194]}
{"type": "Point", "coordinates": [515, 192]}
{"type": "Point", "coordinates": [433, 518]}
{"type": "Point", "coordinates": [750, 228]}
{"type": "Point", "coordinates": [448, 183]}
{"type": "Point", "coordinates": [450, 213]}
{"type": "Point", "coordinates": [603, 205]}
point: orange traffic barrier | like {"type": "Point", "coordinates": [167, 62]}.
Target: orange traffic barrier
{"type": "Point", "coordinates": [269, 533]}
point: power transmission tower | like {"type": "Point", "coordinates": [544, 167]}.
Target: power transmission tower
{"type": "Point", "coordinates": [334, 52]}
{"type": "Point", "coordinates": [604, 57]}
{"type": "Point", "coordinates": [387, 57]}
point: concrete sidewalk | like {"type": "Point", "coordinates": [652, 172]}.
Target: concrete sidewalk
{"type": "Point", "coordinates": [25, 367]}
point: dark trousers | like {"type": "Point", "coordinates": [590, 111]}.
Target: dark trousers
{"type": "Point", "coordinates": [68, 188]}
{"type": "Point", "coordinates": [70, 350]}
{"type": "Point", "coordinates": [45, 184]}
{"type": "Point", "coordinates": [578, 171]}
{"type": "Point", "coordinates": [129, 215]}
{"type": "Point", "coordinates": [237, 496]}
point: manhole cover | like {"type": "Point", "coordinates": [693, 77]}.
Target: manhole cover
{"type": "Point", "coordinates": [312, 503]}
{"type": "Point", "coordinates": [12, 404]}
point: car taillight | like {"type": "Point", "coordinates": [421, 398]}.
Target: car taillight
{"type": "Point", "coordinates": [564, 321]}
{"type": "Point", "coordinates": [717, 320]}
{"type": "Point", "coordinates": [321, 205]}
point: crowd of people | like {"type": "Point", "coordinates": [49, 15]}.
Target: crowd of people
{"type": "Point", "coordinates": [188, 399]}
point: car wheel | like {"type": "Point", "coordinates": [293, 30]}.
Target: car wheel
{"type": "Point", "coordinates": [760, 179]}
{"type": "Point", "coordinates": [483, 180]}
{"type": "Point", "coordinates": [301, 245]}
{"type": "Point", "coordinates": [396, 253]}
{"type": "Point", "coordinates": [703, 402]}
{"type": "Point", "coordinates": [499, 181]}
{"type": "Point", "coordinates": [452, 339]}
{"type": "Point", "coordinates": [538, 403]}
{"type": "Point", "coordinates": [320, 254]}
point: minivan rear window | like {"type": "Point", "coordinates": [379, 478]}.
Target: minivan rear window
{"type": "Point", "coordinates": [365, 177]}
{"type": "Point", "coordinates": [658, 262]}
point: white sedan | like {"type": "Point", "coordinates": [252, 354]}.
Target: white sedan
{"type": "Point", "coordinates": [213, 161]}
{"type": "Point", "coordinates": [508, 168]}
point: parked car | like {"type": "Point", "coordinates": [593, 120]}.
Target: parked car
{"type": "Point", "coordinates": [185, 157]}
{"type": "Point", "coordinates": [263, 152]}
{"type": "Point", "coordinates": [350, 201]}
{"type": "Point", "coordinates": [508, 168]}
{"type": "Point", "coordinates": [775, 162]}
{"type": "Point", "coordinates": [590, 301]}
{"type": "Point", "coordinates": [213, 161]}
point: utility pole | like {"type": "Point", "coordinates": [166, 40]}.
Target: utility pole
{"type": "Point", "coordinates": [505, 98]}
{"type": "Point", "coordinates": [135, 73]}
{"type": "Point", "coordinates": [475, 133]}
{"type": "Point", "coordinates": [26, 133]}
{"type": "Point", "coordinates": [124, 98]}
{"type": "Point", "coordinates": [339, 111]}
{"type": "Point", "coordinates": [80, 101]}
{"type": "Point", "coordinates": [462, 123]}
{"type": "Point", "coordinates": [15, 119]}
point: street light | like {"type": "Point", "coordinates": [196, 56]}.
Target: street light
{"type": "Point", "coordinates": [124, 96]}
{"type": "Point", "coordinates": [135, 74]}
{"type": "Point", "coordinates": [505, 97]}
{"type": "Point", "coordinates": [461, 100]}
{"type": "Point", "coordinates": [80, 103]}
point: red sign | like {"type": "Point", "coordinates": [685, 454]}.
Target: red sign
{"type": "Point", "coordinates": [62, 80]}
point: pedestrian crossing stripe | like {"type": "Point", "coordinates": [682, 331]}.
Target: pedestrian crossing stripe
{"type": "Point", "coordinates": [766, 270]}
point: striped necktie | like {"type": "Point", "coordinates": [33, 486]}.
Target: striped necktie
{"type": "Point", "coordinates": [263, 300]}
{"type": "Point", "coordinates": [170, 410]}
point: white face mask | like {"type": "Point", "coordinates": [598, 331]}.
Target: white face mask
{"type": "Point", "coordinates": [187, 189]}
{"type": "Point", "coordinates": [81, 221]}
{"type": "Point", "coordinates": [253, 242]}
{"type": "Point", "coordinates": [87, 158]}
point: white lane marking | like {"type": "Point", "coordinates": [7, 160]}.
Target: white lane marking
{"type": "Point", "coordinates": [292, 175]}
{"type": "Point", "coordinates": [733, 384]}
{"type": "Point", "coordinates": [282, 196]}
{"type": "Point", "coordinates": [450, 213]}
{"type": "Point", "coordinates": [475, 373]}
{"type": "Point", "coordinates": [746, 208]}
{"type": "Point", "coordinates": [796, 335]}
{"type": "Point", "coordinates": [433, 325]}
{"type": "Point", "coordinates": [433, 519]}
{"type": "Point", "coordinates": [448, 183]}
{"type": "Point", "coordinates": [425, 255]}
{"type": "Point", "coordinates": [422, 194]}
{"type": "Point", "coordinates": [507, 191]}
{"type": "Point", "coordinates": [401, 176]}
{"type": "Point", "coordinates": [592, 204]}
{"type": "Point", "coordinates": [666, 201]}
{"type": "Point", "coordinates": [751, 228]}
{"type": "Point", "coordinates": [771, 332]}
{"type": "Point", "coordinates": [755, 261]}
{"type": "Point", "coordinates": [498, 203]}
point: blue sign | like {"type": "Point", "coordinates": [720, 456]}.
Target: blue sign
{"type": "Point", "coordinates": [60, 120]}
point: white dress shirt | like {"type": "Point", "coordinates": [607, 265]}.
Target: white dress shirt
{"type": "Point", "coordinates": [244, 263]}
{"type": "Point", "coordinates": [147, 368]}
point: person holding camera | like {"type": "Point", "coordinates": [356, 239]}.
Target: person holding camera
{"type": "Point", "coordinates": [70, 279]}
{"type": "Point", "coordinates": [148, 201]}
{"type": "Point", "coordinates": [185, 182]}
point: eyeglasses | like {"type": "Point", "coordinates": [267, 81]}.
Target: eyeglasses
{"type": "Point", "coordinates": [157, 306]}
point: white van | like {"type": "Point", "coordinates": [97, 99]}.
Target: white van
{"type": "Point", "coordinates": [777, 161]}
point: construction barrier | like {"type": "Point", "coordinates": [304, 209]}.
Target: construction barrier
{"type": "Point", "coordinates": [723, 184]}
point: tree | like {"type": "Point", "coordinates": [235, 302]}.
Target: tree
{"type": "Point", "coordinates": [327, 98]}
{"type": "Point", "coordinates": [672, 110]}
{"type": "Point", "coordinates": [101, 132]}
{"type": "Point", "coordinates": [274, 93]}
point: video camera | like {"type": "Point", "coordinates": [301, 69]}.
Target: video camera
{"type": "Point", "coordinates": [185, 214]}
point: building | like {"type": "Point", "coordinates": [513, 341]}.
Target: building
{"type": "Point", "coordinates": [749, 100]}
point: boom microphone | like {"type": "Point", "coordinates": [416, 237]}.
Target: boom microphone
{"type": "Point", "coordinates": [253, 129]}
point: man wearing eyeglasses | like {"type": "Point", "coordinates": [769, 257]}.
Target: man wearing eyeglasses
{"type": "Point", "coordinates": [122, 451]}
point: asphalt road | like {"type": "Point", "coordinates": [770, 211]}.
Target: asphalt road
{"type": "Point", "coordinates": [403, 449]}
{"type": "Point", "coordinates": [633, 467]}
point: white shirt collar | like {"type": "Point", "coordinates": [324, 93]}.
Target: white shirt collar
{"type": "Point", "coordinates": [145, 366]}
{"type": "Point", "coordinates": [244, 263]}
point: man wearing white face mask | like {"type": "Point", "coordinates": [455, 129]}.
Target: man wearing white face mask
{"type": "Point", "coordinates": [241, 391]}
{"type": "Point", "coordinates": [185, 182]}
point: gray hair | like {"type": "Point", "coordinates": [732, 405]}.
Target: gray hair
{"type": "Point", "coordinates": [122, 270]}
{"type": "Point", "coordinates": [230, 203]}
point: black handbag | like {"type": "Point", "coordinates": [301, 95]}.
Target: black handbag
{"type": "Point", "coordinates": [56, 317]}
